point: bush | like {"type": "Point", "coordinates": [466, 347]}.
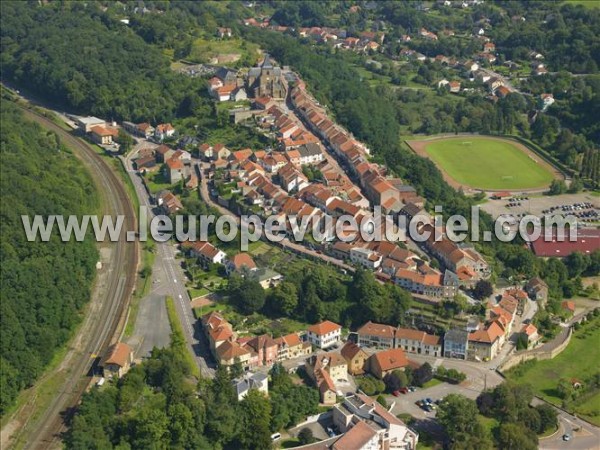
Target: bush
{"type": "Point", "coordinates": [306, 436]}
{"type": "Point", "coordinates": [371, 385]}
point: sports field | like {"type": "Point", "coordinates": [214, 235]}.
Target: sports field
{"type": "Point", "coordinates": [486, 163]}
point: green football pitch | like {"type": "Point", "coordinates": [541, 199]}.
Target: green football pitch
{"type": "Point", "coordinates": [492, 164]}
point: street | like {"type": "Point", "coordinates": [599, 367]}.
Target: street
{"type": "Point", "coordinates": [169, 277]}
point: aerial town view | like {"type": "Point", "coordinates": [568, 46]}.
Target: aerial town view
{"type": "Point", "coordinates": [320, 225]}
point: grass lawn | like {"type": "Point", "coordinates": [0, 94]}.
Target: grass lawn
{"type": "Point", "coordinates": [178, 343]}
{"type": "Point", "coordinates": [579, 360]}
{"type": "Point", "coordinates": [204, 50]}
{"type": "Point", "coordinates": [194, 292]}
{"type": "Point", "coordinates": [431, 383]}
{"type": "Point", "coordinates": [487, 163]}
{"type": "Point", "coordinates": [488, 422]}
{"type": "Point", "coordinates": [586, 3]}
{"type": "Point", "coordinates": [156, 182]}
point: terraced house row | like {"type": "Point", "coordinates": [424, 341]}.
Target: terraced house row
{"type": "Point", "coordinates": [378, 335]}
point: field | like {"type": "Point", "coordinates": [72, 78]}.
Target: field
{"type": "Point", "coordinates": [585, 3]}
{"type": "Point", "coordinates": [225, 52]}
{"type": "Point", "coordinates": [486, 163]}
{"type": "Point", "coordinates": [579, 360]}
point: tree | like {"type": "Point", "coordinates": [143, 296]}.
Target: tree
{"type": "Point", "coordinates": [557, 187]}
{"type": "Point", "coordinates": [530, 418]}
{"type": "Point", "coordinates": [512, 436]}
{"type": "Point", "coordinates": [247, 294]}
{"type": "Point", "coordinates": [458, 415]}
{"type": "Point", "coordinates": [371, 385]}
{"type": "Point", "coordinates": [254, 417]}
{"type": "Point", "coordinates": [395, 380]}
{"type": "Point", "coordinates": [483, 289]}
{"type": "Point", "coordinates": [283, 299]}
{"type": "Point", "coordinates": [548, 417]}
{"type": "Point", "coordinates": [461, 302]}
{"type": "Point", "coordinates": [381, 400]}
{"type": "Point", "coordinates": [577, 263]}
{"type": "Point", "coordinates": [422, 375]}
{"type": "Point", "coordinates": [125, 141]}
{"type": "Point", "coordinates": [305, 436]}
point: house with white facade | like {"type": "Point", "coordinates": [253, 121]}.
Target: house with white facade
{"type": "Point", "coordinates": [366, 258]}
{"type": "Point", "coordinates": [324, 334]}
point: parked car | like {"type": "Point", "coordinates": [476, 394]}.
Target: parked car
{"type": "Point", "coordinates": [403, 390]}
{"type": "Point", "coordinates": [566, 437]}
{"type": "Point", "coordinates": [396, 393]}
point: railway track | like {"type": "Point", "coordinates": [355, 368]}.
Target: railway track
{"type": "Point", "coordinates": [106, 312]}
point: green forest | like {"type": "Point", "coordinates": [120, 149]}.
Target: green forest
{"type": "Point", "coordinates": [74, 55]}
{"type": "Point", "coordinates": [44, 284]}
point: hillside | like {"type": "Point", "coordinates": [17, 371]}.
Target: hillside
{"type": "Point", "coordinates": [44, 284]}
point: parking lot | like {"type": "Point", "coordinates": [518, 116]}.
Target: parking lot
{"type": "Point", "coordinates": [318, 428]}
{"type": "Point", "coordinates": [583, 205]}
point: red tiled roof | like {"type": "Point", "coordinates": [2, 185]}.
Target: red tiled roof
{"type": "Point", "coordinates": [350, 350]}
{"type": "Point", "coordinates": [323, 328]}
{"type": "Point", "coordinates": [376, 329]}
{"type": "Point", "coordinates": [356, 438]}
{"type": "Point", "coordinates": [529, 329]}
{"type": "Point", "coordinates": [118, 354]}
{"type": "Point", "coordinates": [587, 241]}
{"type": "Point", "coordinates": [243, 259]}
{"type": "Point", "coordinates": [569, 305]}
{"type": "Point", "coordinates": [391, 359]}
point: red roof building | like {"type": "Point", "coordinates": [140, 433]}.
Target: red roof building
{"type": "Point", "coordinates": [588, 240]}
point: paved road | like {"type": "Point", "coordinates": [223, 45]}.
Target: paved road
{"type": "Point", "coordinates": [583, 435]}
{"type": "Point", "coordinates": [152, 328]}
{"type": "Point", "coordinates": [171, 278]}
{"type": "Point", "coordinates": [107, 308]}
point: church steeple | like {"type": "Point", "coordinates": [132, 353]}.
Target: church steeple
{"type": "Point", "coordinates": [267, 62]}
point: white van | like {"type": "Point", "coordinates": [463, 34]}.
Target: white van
{"type": "Point", "coordinates": [275, 437]}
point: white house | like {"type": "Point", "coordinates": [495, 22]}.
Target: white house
{"type": "Point", "coordinates": [366, 258]}
{"type": "Point", "coordinates": [310, 154]}
{"type": "Point", "coordinates": [207, 252]}
{"type": "Point", "coordinates": [164, 130]}
{"type": "Point", "coordinates": [325, 334]}
{"type": "Point", "coordinates": [258, 381]}
{"type": "Point", "coordinates": [239, 94]}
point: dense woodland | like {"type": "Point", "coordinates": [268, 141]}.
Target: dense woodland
{"type": "Point", "coordinates": [44, 284]}
{"type": "Point", "coordinates": [158, 404]}
{"type": "Point", "coordinates": [518, 424]}
{"type": "Point", "coordinates": [318, 293]}
{"type": "Point", "coordinates": [76, 56]}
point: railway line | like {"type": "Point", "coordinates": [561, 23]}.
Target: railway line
{"type": "Point", "coordinates": [105, 314]}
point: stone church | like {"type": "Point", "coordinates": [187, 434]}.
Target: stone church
{"type": "Point", "coordinates": [265, 80]}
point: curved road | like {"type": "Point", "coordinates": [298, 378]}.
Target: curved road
{"type": "Point", "coordinates": [106, 312]}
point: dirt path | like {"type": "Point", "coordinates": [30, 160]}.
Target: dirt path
{"type": "Point", "coordinates": [419, 147]}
